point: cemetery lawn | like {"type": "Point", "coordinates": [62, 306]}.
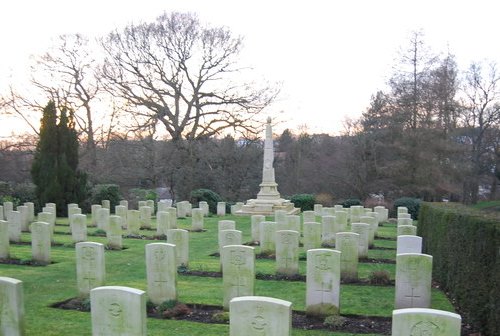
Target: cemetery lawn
{"type": "Point", "coordinates": [47, 285]}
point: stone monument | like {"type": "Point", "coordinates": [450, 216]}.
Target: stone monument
{"type": "Point", "coordinates": [268, 199]}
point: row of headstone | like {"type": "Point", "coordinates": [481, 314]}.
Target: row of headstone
{"type": "Point", "coordinates": [352, 213]}
{"type": "Point", "coordinates": [120, 310]}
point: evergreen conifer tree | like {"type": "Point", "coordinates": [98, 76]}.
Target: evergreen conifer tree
{"type": "Point", "coordinates": [55, 165]}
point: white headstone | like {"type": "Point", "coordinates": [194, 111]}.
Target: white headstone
{"type": "Point", "coordinates": [161, 270]}
{"type": "Point", "coordinates": [287, 252]}
{"type": "Point", "coordinates": [425, 322]}
{"type": "Point", "coordinates": [4, 239]}
{"type": "Point", "coordinates": [204, 207]}
{"type": "Point", "coordinates": [363, 230]}
{"type": "Point", "coordinates": [373, 227]}
{"type": "Point", "coordinates": [78, 224]}
{"type": "Point", "coordinates": [308, 216]}
{"type": "Point", "coordinates": [255, 226]}
{"type": "Point", "coordinates": [103, 218]}
{"type": "Point", "coordinates": [408, 230]}
{"type": "Point", "coordinates": [121, 210]}
{"type": "Point", "coordinates": [145, 217]}
{"type": "Point", "coordinates": [8, 207]}
{"type": "Point", "coordinates": [173, 217]}
{"type": "Point", "coordinates": [40, 242]}
{"type": "Point", "coordinates": [318, 210]}
{"type": "Point", "coordinates": [404, 221]}
{"type": "Point", "coordinates": [323, 282]}
{"type": "Point", "coordinates": [118, 310]}
{"type": "Point", "coordinates": [238, 272]}
{"type": "Point", "coordinates": [133, 222]}
{"type": "Point", "coordinates": [90, 266]}
{"type": "Point", "coordinates": [106, 204]}
{"type": "Point", "coordinates": [229, 237]}
{"type": "Point", "coordinates": [267, 237]}
{"type": "Point", "coordinates": [341, 220]}
{"type": "Point", "coordinates": [347, 243]}
{"type": "Point", "coordinates": [221, 208]}
{"type": "Point", "coordinates": [226, 225]}
{"type": "Point", "coordinates": [179, 238]}
{"type": "Point", "coordinates": [124, 203]}
{"type": "Point", "coordinates": [162, 222]}
{"type": "Point", "coordinates": [413, 280]}
{"type": "Point", "coordinates": [197, 220]}
{"type": "Point", "coordinates": [14, 226]}
{"type": "Point", "coordinates": [74, 211]}
{"type": "Point", "coordinates": [312, 236]}
{"type": "Point", "coordinates": [293, 223]}
{"type": "Point", "coordinates": [401, 210]}
{"type": "Point", "coordinates": [280, 219]}
{"type": "Point", "coordinates": [23, 210]}
{"type": "Point", "coordinates": [328, 230]}
{"type": "Point", "coordinates": [260, 316]}
{"type": "Point", "coordinates": [12, 322]}
{"type": "Point", "coordinates": [47, 217]}
{"type": "Point", "coordinates": [31, 211]}
{"type": "Point", "coordinates": [93, 213]}
{"type": "Point", "coordinates": [114, 233]}
{"type": "Point", "coordinates": [409, 244]}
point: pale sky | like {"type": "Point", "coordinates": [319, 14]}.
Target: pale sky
{"type": "Point", "coordinates": [331, 56]}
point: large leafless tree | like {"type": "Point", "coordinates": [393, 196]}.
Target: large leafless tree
{"type": "Point", "coordinates": [183, 75]}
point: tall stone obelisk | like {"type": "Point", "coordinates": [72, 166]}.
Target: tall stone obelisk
{"type": "Point", "coordinates": [268, 199]}
{"type": "Point", "coordinates": [268, 187]}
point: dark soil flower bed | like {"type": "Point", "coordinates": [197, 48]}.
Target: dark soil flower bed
{"type": "Point", "coordinates": [208, 314]}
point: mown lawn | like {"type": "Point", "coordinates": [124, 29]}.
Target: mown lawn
{"type": "Point", "coordinates": [44, 286]}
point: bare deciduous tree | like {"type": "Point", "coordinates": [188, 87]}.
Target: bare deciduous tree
{"type": "Point", "coordinates": [183, 75]}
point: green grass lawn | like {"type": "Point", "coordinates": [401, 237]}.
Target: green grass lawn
{"type": "Point", "coordinates": [46, 285]}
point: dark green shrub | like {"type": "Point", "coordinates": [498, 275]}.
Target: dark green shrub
{"type": "Point", "coordinates": [350, 202]}
{"type": "Point", "coordinates": [464, 244]}
{"type": "Point", "coordinates": [334, 321]}
{"type": "Point", "coordinates": [413, 205]}
{"type": "Point", "coordinates": [303, 201]}
{"type": "Point", "coordinates": [109, 192]}
{"type": "Point", "coordinates": [207, 195]}
{"type": "Point", "coordinates": [222, 317]}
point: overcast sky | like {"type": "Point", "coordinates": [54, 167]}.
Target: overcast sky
{"type": "Point", "coordinates": [331, 56]}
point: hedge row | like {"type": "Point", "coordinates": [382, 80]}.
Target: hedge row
{"type": "Point", "coordinates": [465, 245]}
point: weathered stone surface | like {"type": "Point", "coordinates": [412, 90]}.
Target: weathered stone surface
{"type": "Point", "coordinates": [197, 219]}
{"type": "Point", "coordinates": [404, 221]}
{"type": "Point", "coordinates": [124, 203]}
{"type": "Point", "coordinates": [47, 217]}
{"type": "Point", "coordinates": [122, 211]}
{"type": "Point", "coordinates": [94, 208]}
{"type": "Point", "coordinates": [323, 282]}
{"type": "Point", "coordinates": [162, 222]}
{"type": "Point", "coordinates": [280, 219]}
{"type": "Point", "coordinates": [31, 211]}
{"type": "Point", "coordinates": [413, 280]}
{"type": "Point", "coordinates": [103, 218]}
{"type": "Point", "coordinates": [382, 212]}
{"type": "Point", "coordinates": [173, 217]}
{"type": "Point", "coordinates": [40, 242]}
{"type": "Point", "coordinates": [287, 252]}
{"type": "Point", "coordinates": [106, 204]}
{"type": "Point", "coordinates": [226, 225]}
{"type": "Point", "coordinates": [293, 223]}
{"type": "Point", "coordinates": [118, 310]}
{"type": "Point", "coordinates": [401, 210]}
{"type": "Point", "coordinates": [179, 238]}
{"type": "Point", "coordinates": [312, 236]}
{"type": "Point", "coordinates": [373, 227]}
{"type": "Point", "coordinates": [260, 316]}
{"type": "Point", "coordinates": [221, 208]}
{"type": "Point", "coordinates": [161, 270]}
{"type": "Point", "coordinates": [4, 239]}
{"type": "Point", "coordinates": [363, 230]}
{"type": "Point", "coordinates": [308, 216]}
{"type": "Point", "coordinates": [90, 266]}
{"type": "Point", "coordinates": [267, 237]}
{"type": "Point", "coordinates": [229, 237]}
{"type": "Point", "coordinates": [12, 322]}
{"type": "Point", "coordinates": [341, 219]}
{"type": "Point", "coordinates": [23, 210]}
{"type": "Point", "coordinates": [328, 229]}
{"type": "Point", "coordinates": [425, 322]}
{"type": "Point", "coordinates": [255, 226]}
{"type": "Point", "coordinates": [8, 207]}
{"type": "Point", "coordinates": [114, 232]}
{"type": "Point", "coordinates": [145, 217]}
{"type": "Point", "coordinates": [238, 272]}
{"type": "Point", "coordinates": [204, 207]}
{"type": "Point", "coordinates": [347, 243]}
{"type": "Point", "coordinates": [133, 222]}
{"type": "Point", "coordinates": [407, 230]}
{"type": "Point", "coordinates": [409, 244]}
{"type": "Point", "coordinates": [356, 211]}
{"type": "Point", "coordinates": [78, 225]}
{"type": "Point", "coordinates": [318, 210]}
{"type": "Point", "coordinates": [14, 226]}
